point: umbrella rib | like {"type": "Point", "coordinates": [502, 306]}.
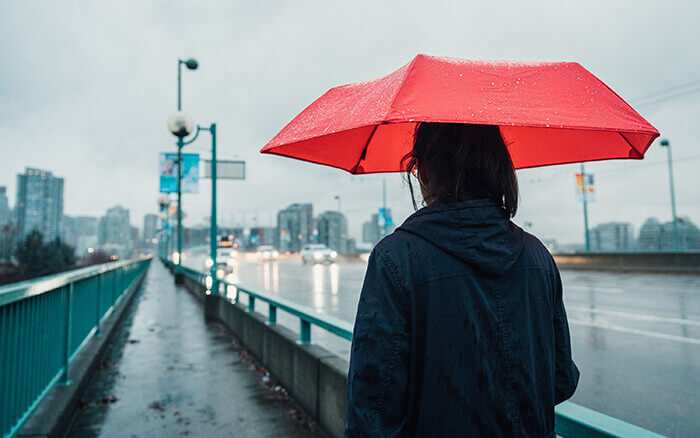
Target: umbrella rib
{"type": "Point", "coordinates": [364, 150]}
{"type": "Point", "coordinates": [639, 154]}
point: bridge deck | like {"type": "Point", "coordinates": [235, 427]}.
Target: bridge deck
{"type": "Point", "coordinates": [169, 373]}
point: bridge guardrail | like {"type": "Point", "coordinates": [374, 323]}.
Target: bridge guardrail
{"type": "Point", "coordinates": [44, 324]}
{"type": "Point", "coordinates": [572, 420]}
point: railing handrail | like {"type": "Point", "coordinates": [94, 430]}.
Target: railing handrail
{"type": "Point", "coordinates": [37, 286]}
{"type": "Point", "coordinates": [330, 323]}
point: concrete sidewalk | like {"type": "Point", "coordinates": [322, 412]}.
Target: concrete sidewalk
{"type": "Point", "coordinates": [169, 373]}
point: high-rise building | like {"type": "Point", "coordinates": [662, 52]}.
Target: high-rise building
{"type": "Point", "coordinates": [39, 203]}
{"type": "Point", "coordinates": [612, 236]}
{"type": "Point", "coordinates": [654, 236]}
{"type": "Point", "coordinates": [114, 232]}
{"type": "Point", "coordinates": [262, 236]}
{"type": "Point", "coordinates": [332, 229]}
{"type": "Point", "coordinates": [372, 230]}
{"type": "Point", "coordinates": [5, 216]}
{"type": "Point", "coordinates": [688, 235]}
{"type": "Point", "coordinates": [295, 225]}
{"type": "Point", "coordinates": [80, 232]}
{"type": "Point", "coordinates": [150, 226]}
{"type": "Point", "coordinates": [650, 235]}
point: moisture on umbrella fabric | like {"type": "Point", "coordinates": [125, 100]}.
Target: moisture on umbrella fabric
{"type": "Point", "coordinates": [549, 113]}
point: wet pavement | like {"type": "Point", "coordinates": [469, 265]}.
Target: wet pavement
{"type": "Point", "coordinates": [169, 374]}
{"type": "Point", "coordinates": [635, 337]}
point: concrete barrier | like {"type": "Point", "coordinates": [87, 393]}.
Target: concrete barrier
{"type": "Point", "coordinates": [312, 375]}
{"type": "Point", "coordinates": [661, 262]}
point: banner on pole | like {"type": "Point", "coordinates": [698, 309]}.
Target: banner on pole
{"type": "Point", "coordinates": [589, 187]}
{"type": "Point", "coordinates": [168, 168]}
{"type": "Point", "coordinates": [384, 218]}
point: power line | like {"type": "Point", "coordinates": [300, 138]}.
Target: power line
{"type": "Point", "coordinates": [667, 90]}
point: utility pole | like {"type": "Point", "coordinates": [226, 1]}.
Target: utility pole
{"type": "Point", "coordinates": [213, 231]}
{"type": "Point", "coordinates": [584, 189]}
{"type": "Point", "coordinates": [676, 240]}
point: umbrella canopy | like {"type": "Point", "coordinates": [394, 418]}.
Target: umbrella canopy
{"type": "Point", "coordinates": [549, 113]}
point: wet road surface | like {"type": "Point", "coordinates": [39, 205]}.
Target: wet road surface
{"type": "Point", "coordinates": [170, 374]}
{"type": "Point", "coordinates": [636, 337]}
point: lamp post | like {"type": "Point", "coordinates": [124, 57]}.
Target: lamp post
{"type": "Point", "coordinates": [191, 64]}
{"type": "Point", "coordinates": [213, 228]}
{"type": "Point", "coordinates": [337, 198]}
{"type": "Point", "coordinates": [181, 125]}
{"type": "Point", "coordinates": [676, 241]}
{"type": "Point", "coordinates": [162, 211]}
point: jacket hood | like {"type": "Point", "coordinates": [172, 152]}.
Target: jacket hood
{"type": "Point", "coordinates": [478, 232]}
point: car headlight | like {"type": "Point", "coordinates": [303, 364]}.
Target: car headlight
{"type": "Point", "coordinates": [317, 255]}
{"type": "Point", "coordinates": [234, 253]}
{"type": "Point", "coordinates": [275, 254]}
{"type": "Point", "coordinates": [231, 262]}
{"type": "Point", "coordinates": [209, 263]}
{"type": "Point", "coordinates": [334, 254]}
{"type": "Point", "coordinates": [220, 273]}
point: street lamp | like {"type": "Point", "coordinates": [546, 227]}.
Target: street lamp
{"type": "Point", "coordinates": [191, 64]}
{"type": "Point", "coordinates": [180, 125]}
{"type": "Point", "coordinates": [676, 243]}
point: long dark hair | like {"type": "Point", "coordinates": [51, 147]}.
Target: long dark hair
{"type": "Point", "coordinates": [456, 162]}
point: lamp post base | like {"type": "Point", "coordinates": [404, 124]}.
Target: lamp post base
{"type": "Point", "coordinates": [179, 278]}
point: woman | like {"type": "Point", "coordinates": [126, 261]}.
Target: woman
{"type": "Point", "coordinates": [460, 328]}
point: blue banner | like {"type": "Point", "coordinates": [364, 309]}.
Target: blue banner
{"type": "Point", "coordinates": [167, 165]}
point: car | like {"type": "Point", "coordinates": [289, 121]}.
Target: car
{"type": "Point", "coordinates": [317, 253]}
{"type": "Point", "coordinates": [267, 253]}
{"type": "Point", "coordinates": [225, 262]}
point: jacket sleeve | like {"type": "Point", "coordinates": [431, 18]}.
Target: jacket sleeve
{"type": "Point", "coordinates": [378, 374]}
{"type": "Point", "coordinates": [566, 373]}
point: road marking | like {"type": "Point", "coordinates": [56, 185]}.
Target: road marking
{"type": "Point", "coordinates": [637, 316]}
{"type": "Point", "coordinates": [617, 328]}
{"type": "Point", "coordinates": [610, 290]}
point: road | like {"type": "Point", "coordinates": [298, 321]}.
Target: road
{"type": "Point", "coordinates": [636, 337]}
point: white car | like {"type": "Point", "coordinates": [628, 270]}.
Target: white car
{"type": "Point", "coordinates": [225, 262]}
{"type": "Point", "coordinates": [316, 253]}
{"type": "Point", "coordinates": [267, 253]}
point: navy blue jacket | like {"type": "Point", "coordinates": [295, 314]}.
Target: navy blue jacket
{"type": "Point", "coordinates": [460, 330]}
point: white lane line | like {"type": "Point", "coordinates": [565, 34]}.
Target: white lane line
{"type": "Point", "coordinates": [637, 316]}
{"type": "Point", "coordinates": [649, 334]}
{"type": "Point", "coordinates": [603, 289]}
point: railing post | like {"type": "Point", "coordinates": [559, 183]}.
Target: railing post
{"type": "Point", "coordinates": [251, 303]}
{"type": "Point", "coordinates": [65, 381]}
{"type": "Point", "coordinates": [272, 315]}
{"type": "Point", "coordinates": [304, 332]}
{"type": "Point", "coordinates": [98, 317]}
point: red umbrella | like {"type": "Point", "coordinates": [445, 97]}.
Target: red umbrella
{"type": "Point", "coordinates": [549, 113]}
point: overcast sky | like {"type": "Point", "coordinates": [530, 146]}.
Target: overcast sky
{"type": "Point", "coordinates": [86, 88]}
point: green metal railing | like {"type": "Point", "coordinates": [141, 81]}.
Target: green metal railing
{"type": "Point", "coordinates": [45, 322]}
{"type": "Point", "coordinates": [572, 420]}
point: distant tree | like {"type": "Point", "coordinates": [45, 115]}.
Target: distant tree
{"type": "Point", "coordinates": [8, 236]}
{"type": "Point", "coordinates": [37, 258]}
